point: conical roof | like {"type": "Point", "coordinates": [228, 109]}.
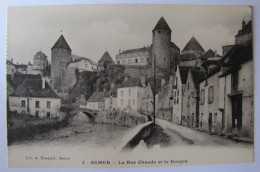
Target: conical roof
{"type": "Point", "coordinates": [61, 43]}
{"type": "Point", "coordinates": [193, 44]}
{"type": "Point", "coordinates": [106, 57]}
{"type": "Point", "coordinates": [162, 24]}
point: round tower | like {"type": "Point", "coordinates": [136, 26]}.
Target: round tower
{"type": "Point", "coordinates": [161, 50]}
{"type": "Point", "coordinates": [60, 59]}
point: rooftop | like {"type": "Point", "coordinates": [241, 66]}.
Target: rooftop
{"type": "Point", "coordinates": [97, 97]}
{"type": "Point", "coordinates": [61, 43]}
{"type": "Point", "coordinates": [193, 44]}
{"type": "Point", "coordinates": [162, 24]}
{"type": "Point", "coordinates": [106, 57]}
{"type": "Point", "coordinates": [136, 50]}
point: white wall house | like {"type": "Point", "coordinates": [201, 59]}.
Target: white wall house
{"type": "Point", "coordinates": [133, 57]}
{"type": "Point", "coordinates": [130, 95]}
{"type": "Point", "coordinates": [96, 101]}
{"type": "Point", "coordinates": [84, 64]}
{"type": "Point", "coordinates": [35, 97]}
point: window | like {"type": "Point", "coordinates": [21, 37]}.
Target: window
{"type": "Point", "coordinates": [48, 104]}
{"type": "Point", "coordinates": [122, 93]}
{"type": "Point", "coordinates": [136, 60]}
{"type": "Point", "coordinates": [37, 114]}
{"type": "Point", "coordinates": [129, 93]}
{"type": "Point", "coordinates": [129, 102]}
{"type": "Point", "coordinates": [48, 114]}
{"type": "Point", "coordinates": [201, 119]}
{"type": "Point", "coordinates": [111, 101]}
{"type": "Point", "coordinates": [134, 102]}
{"type": "Point", "coordinates": [118, 62]}
{"type": "Point", "coordinates": [202, 96]}
{"type": "Point", "coordinates": [142, 60]}
{"type": "Point", "coordinates": [23, 103]}
{"type": "Point", "coordinates": [188, 101]}
{"type": "Point", "coordinates": [234, 81]}
{"type": "Point", "coordinates": [215, 118]}
{"type": "Point", "coordinates": [37, 104]}
{"type": "Point", "coordinates": [121, 102]}
{"type": "Point", "coordinates": [210, 94]}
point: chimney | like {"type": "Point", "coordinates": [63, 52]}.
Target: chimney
{"type": "Point", "coordinates": [119, 51]}
{"type": "Point", "coordinates": [162, 82]}
{"type": "Point", "coordinates": [12, 60]}
{"type": "Point", "coordinates": [243, 24]}
{"type": "Point", "coordinates": [215, 53]}
{"type": "Point", "coordinates": [43, 83]}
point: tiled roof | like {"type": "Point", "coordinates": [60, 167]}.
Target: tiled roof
{"type": "Point", "coordinates": [246, 29]}
{"type": "Point", "coordinates": [135, 50]}
{"type": "Point", "coordinates": [106, 57]}
{"type": "Point", "coordinates": [184, 73]}
{"type": "Point", "coordinates": [61, 43]}
{"type": "Point", "coordinates": [198, 76]}
{"type": "Point", "coordinates": [79, 58]}
{"type": "Point", "coordinates": [193, 44]}
{"type": "Point", "coordinates": [131, 82]}
{"type": "Point", "coordinates": [33, 88]}
{"type": "Point", "coordinates": [162, 24]}
{"type": "Point", "coordinates": [97, 97]}
{"type": "Point", "coordinates": [237, 56]}
{"type": "Point", "coordinates": [19, 78]}
{"type": "Point", "coordinates": [40, 55]}
{"type": "Point", "coordinates": [174, 46]}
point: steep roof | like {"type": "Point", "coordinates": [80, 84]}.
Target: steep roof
{"type": "Point", "coordinates": [131, 82]}
{"type": "Point", "coordinates": [174, 46]}
{"type": "Point", "coordinates": [246, 29]}
{"type": "Point", "coordinates": [97, 97]}
{"type": "Point", "coordinates": [19, 78]}
{"type": "Point", "coordinates": [33, 88]}
{"type": "Point", "coordinates": [210, 53]}
{"type": "Point", "coordinates": [237, 56]}
{"type": "Point", "coordinates": [40, 54]}
{"type": "Point", "coordinates": [61, 43]}
{"type": "Point", "coordinates": [162, 24]}
{"type": "Point", "coordinates": [193, 44]}
{"type": "Point", "coordinates": [184, 73]}
{"type": "Point", "coordinates": [198, 76]}
{"type": "Point", "coordinates": [106, 57]}
{"type": "Point", "coordinates": [136, 50]}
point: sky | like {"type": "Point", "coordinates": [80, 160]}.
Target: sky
{"type": "Point", "coordinates": [90, 30]}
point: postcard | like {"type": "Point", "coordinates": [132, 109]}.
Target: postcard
{"type": "Point", "coordinates": [92, 86]}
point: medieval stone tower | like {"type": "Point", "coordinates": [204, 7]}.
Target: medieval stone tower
{"type": "Point", "coordinates": [60, 59]}
{"type": "Point", "coordinates": [161, 50]}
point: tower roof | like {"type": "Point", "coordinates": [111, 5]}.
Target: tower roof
{"type": "Point", "coordinates": [106, 57]}
{"type": "Point", "coordinates": [162, 24]}
{"type": "Point", "coordinates": [193, 44]}
{"type": "Point", "coordinates": [61, 43]}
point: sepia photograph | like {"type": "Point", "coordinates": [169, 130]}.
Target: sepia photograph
{"type": "Point", "coordinates": [129, 85]}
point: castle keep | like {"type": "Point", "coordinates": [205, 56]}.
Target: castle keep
{"type": "Point", "coordinates": [60, 59]}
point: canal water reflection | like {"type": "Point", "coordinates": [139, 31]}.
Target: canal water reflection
{"type": "Point", "coordinates": [85, 133]}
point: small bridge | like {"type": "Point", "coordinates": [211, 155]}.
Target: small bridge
{"type": "Point", "coordinates": [89, 112]}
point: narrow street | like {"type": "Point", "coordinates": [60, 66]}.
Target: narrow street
{"type": "Point", "coordinates": [169, 134]}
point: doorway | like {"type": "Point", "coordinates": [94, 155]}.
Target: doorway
{"type": "Point", "coordinates": [236, 111]}
{"type": "Point", "coordinates": [210, 122]}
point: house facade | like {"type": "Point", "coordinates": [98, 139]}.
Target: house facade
{"type": "Point", "coordinates": [130, 95]}
{"type": "Point", "coordinates": [96, 101]}
{"type": "Point", "coordinates": [35, 97]}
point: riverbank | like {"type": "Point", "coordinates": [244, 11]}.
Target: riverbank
{"type": "Point", "coordinates": [25, 127]}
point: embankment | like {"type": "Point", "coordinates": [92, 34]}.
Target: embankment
{"type": "Point", "coordinates": [25, 127]}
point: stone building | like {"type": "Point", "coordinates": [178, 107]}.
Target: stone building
{"type": "Point", "coordinates": [244, 36]}
{"type": "Point", "coordinates": [147, 102]}
{"type": "Point", "coordinates": [96, 101]}
{"type": "Point", "coordinates": [35, 97]}
{"type": "Point", "coordinates": [191, 97]}
{"type": "Point", "coordinates": [111, 98]}
{"type": "Point", "coordinates": [83, 64]}
{"type": "Point", "coordinates": [40, 64]}
{"type": "Point", "coordinates": [60, 60]}
{"type": "Point", "coordinates": [237, 102]}
{"type": "Point", "coordinates": [137, 57]}
{"type": "Point", "coordinates": [164, 99]}
{"type": "Point", "coordinates": [130, 94]}
{"type": "Point", "coordinates": [164, 53]}
{"type": "Point", "coordinates": [105, 60]}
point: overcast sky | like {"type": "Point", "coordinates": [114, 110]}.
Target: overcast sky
{"type": "Point", "coordinates": [90, 30]}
